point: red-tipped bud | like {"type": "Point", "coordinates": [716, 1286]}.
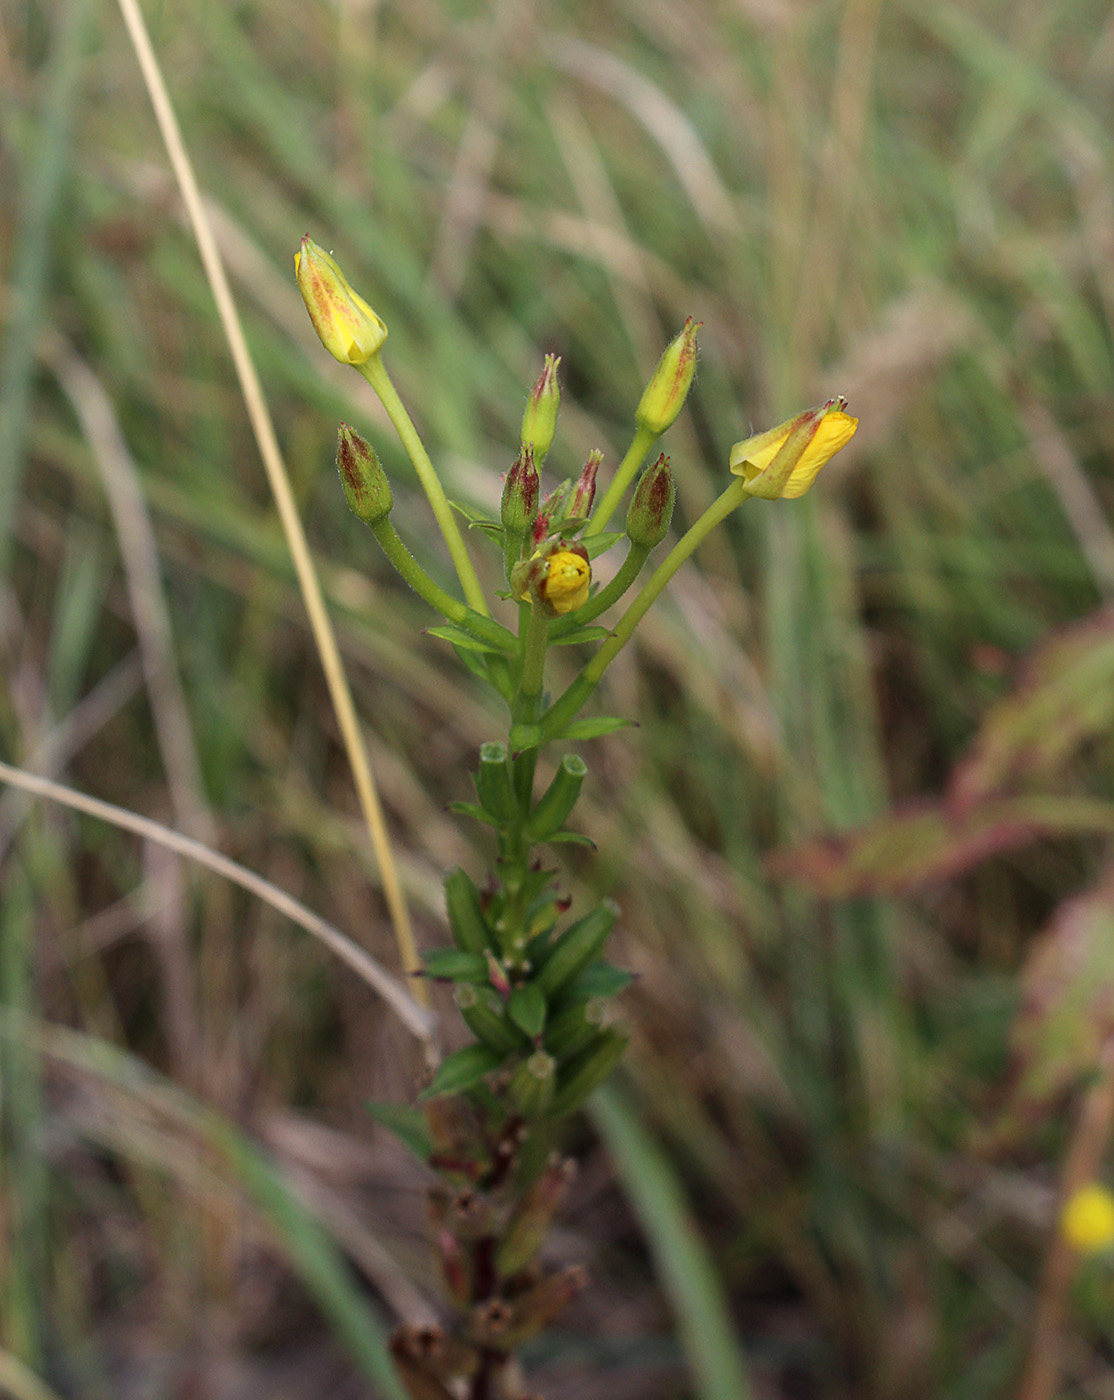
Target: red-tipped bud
{"type": "Point", "coordinates": [651, 507]}
{"type": "Point", "coordinates": [584, 494]}
{"type": "Point", "coordinates": [520, 494]}
{"type": "Point", "coordinates": [539, 422]}
{"type": "Point", "coordinates": [366, 488]}
{"type": "Point", "coordinates": [668, 388]}
{"type": "Point", "coordinates": [541, 530]}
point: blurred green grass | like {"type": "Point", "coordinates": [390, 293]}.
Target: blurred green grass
{"type": "Point", "coordinates": [907, 205]}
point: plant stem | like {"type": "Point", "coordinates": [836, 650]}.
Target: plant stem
{"type": "Point", "coordinates": [641, 443]}
{"type": "Point", "coordinates": [375, 372]}
{"type": "Point", "coordinates": [559, 714]}
{"type": "Point", "coordinates": [452, 608]}
{"type": "Point", "coordinates": [626, 574]}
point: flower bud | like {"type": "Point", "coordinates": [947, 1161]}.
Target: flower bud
{"type": "Point", "coordinates": [346, 325]}
{"type": "Point", "coordinates": [520, 494]}
{"type": "Point", "coordinates": [558, 800]}
{"type": "Point", "coordinates": [584, 493]}
{"type": "Point", "coordinates": [366, 488]}
{"type": "Point", "coordinates": [784, 461]}
{"type": "Point", "coordinates": [668, 388]}
{"type": "Point", "coordinates": [1087, 1220]}
{"type": "Point", "coordinates": [532, 1084]}
{"type": "Point", "coordinates": [539, 422]}
{"type": "Point", "coordinates": [564, 586]}
{"type": "Point", "coordinates": [651, 507]}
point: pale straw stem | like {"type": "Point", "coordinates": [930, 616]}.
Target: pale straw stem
{"type": "Point", "coordinates": [264, 431]}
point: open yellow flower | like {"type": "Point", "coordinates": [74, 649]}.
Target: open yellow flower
{"type": "Point", "coordinates": [792, 453]}
{"type": "Point", "coordinates": [1087, 1220]}
{"type": "Point", "coordinates": [346, 325]}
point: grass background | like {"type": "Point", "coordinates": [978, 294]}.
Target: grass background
{"type": "Point", "coordinates": [910, 205]}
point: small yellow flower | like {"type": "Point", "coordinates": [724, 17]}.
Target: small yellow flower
{"type": "Point", "coordinates": [1087, 1220]}
{"type": "Point", "coordinates": [817, 435]}
{"type": "Point", "coordinates": [346, 325]}
{"type": "Point", "coordinates": [565, 585]}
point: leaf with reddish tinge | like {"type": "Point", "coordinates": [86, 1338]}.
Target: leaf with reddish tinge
{"type": "Point", "coordinates": [932, 842]}
{"type": "Point", "coordinates": [1064, 699]}
{"type": "Point", "coordinates": [1067, 989]}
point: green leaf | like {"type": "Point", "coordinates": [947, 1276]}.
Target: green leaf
{"type": "Point", "coordinates": [462, 1070]}
{"type": "Point", "coordinates": [581, 634]}
{"type": "Point", "coordinates": [526, 1008]}
{"type": "Point", "coordinates": [455, 965]}
{"type": "Point", "coordinates": [566, 837]}
{"type": "Point", "coordinates": [473, 662]}
{"type": "Point", "coordinates": [474, 516]}
{"type": "Point", "coordinates": [460, 638]}
{"type": "Point", "coordinates": [595, 728]}
{"type": "Point", "coordinates": [599, 979]}
{"type": "Point", "coordinates": [406, 1122]}
{"type": "Point", "coordinates": [600, 544]}
{"type": "Point", "coordinates": [472, 809]}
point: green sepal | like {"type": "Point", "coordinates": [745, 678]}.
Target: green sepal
{"type": "Point", "coordinates": [483, 1012]}
{"type": "Point", "coordinates": [493, 782]}
{"type": "Point", "coordinates": [454, 965]}
{"type": "Point", "coordinates": [532, 1085]}
{"type": "Point", "coordinates": [525, 736]}
{"type": "Point", "coordinates": [463, 1069]}
{"type": "Point", "coordinates": [587, 1071]}
{"type": "Point", "coordinates": [473, 809]}
{"type": "Point", "coordinates": [600, 544]}
{"type": "Point", "coordinates": [570, 1030]}
{"type": "Point", "coordinates": [579, 945]}
{"type": "Point", "coordinates": [527, 1009]}
{"type": "Point", "coordinates": [594, 728]}
{"type": "Point", "coordinates": [470, 929]}
{"type": "Point", "coordinates": [406, 1122]}
{"type": "Point", "coordinates": [449, 632]}
{"type": "Point", "coordinates": [580, 634]}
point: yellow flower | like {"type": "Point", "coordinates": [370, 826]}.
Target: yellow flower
{"type": "Point", "coordinates": [795, 451]}
{"type": "Point", "coordinates": [346, 325]}
{"type": "Point", "coordinates": [559, 581]}
{"type": "Point", "coordinates": [1087, 1220]}
{"type": "Point", "coordinates": [565, 585]}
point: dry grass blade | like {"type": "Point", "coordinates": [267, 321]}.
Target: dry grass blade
{"type": "Point", "coordinates": [280, 486]}
{"type": "Point", "coordinates": [417, 1019]}
{"type": "Point", "coordinates": [19, 1382]}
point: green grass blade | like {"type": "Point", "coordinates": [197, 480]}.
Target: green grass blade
{"type": "Point", "coordinates": [685, 1268]}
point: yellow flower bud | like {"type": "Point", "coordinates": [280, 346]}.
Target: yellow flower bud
{"type": "Point", "coordinates": [665, 395]}
{"type": "Point", "coordinates": [565, 585]}
{"type": "Point", "coordinates": [558, 580]}
{"type": "Point", "coordinates": [808, 440]}
{"type": "Point", "coordinates": [346, 325]}
{"type": "Point", "coordinates": [1087, 1220]}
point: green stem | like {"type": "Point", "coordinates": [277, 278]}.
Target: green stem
{"type": "Point", "coordinates": [642, 442]}
{"type": "Point", "coordinates": [559, 714]}
{"type": "Point", "coordinates": [610, 593]}
{"type": "Point", "coordinates": [525, 708]}
{"type": "Point", "coordinates": [480, 626]}
{"type": "Point", "coordinates": [375, 372]}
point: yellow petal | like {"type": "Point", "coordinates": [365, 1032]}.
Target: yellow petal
{"type": "Point", "coordinates": [565, 586]}
{"type": "Point", "coordinates": [1087, 1220]}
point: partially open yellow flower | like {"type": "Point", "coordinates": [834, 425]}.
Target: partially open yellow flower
{"type": "Point", "coordinates": [567, 580]}
{"type": "Point", "coordinates": [346, 325]}
{"type": "Point", "coordinates": [810, 439]}
{"type": "Point", "coordinates": [1087, 1220]}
